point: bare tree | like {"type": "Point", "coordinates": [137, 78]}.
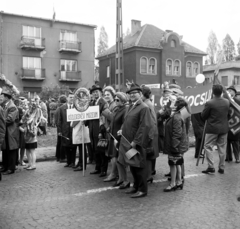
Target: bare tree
{"type": "Point", "coordinates": [228, 48]}
{"type": "Point", "coordinates": [238, 47]}
{"type": "Point", "coordinates": [212, 47]}
{"type": "Point", "coordinates": [102, 41]}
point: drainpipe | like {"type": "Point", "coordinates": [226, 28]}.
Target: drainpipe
{"type": "Point", "coordinates": [1, 42]}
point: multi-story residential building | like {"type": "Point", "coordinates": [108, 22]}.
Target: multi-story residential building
{"type": "Point", "coordinates": [229, 73]}
{"type": "Point", "coordinates": [37, 52]}
{"type": "Point", "coordinates": [153, 56]}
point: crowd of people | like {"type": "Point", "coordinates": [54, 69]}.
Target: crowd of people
{"type": "Point", "coordinates": [130, 133]}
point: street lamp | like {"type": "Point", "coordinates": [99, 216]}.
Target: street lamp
{"type": "Point", "coordinates": [200, 78]}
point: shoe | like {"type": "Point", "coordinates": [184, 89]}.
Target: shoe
{"type": "Point", "coordinates": [117, 184]}
{"type": "Point", "coordinates": [78, 169]}
{"type": "Point", "coordinates": [95, 172]}
{"type": "Point", "coordinates": [154, 172]}
{"type": "Point", "coordinates": [110, 179]}
{"type": "Point", "coordinates": [22, 163]}
{"type": "Point", "coordinates": [75, 167]}
{"type": "Point", "coordinates": [3, 170]}
{"type": "Point", "coordinates": [228, 159]}
{"type": "Point", "coordinates": [237, 161]}
{"type": "Point", "coordinates": [67, 165]}
{"type": "Point", "coordinates": [103, 174]}
{"type": "Point", "coordinates": [62, 161]}
{"type": "Point", "coordinates": [8, 172]}
{"type": "Point", "coordinates": [124, 186]}
{"type": "Point", "coordinates": [28, 166]}
{"type": "Point", "coordinates": [71, 165]}
{"type": "Point", "coordinates": [221, 171]}
{"type": "Point", "coordinates": [201, 156]}
{"type": "Point", "coordinates": [150, 180]}
{"type": "Point", "coordinates": [139, 195]}
{"type": "Point", "coordinates": [31, 168]}
{"type": "Point", "coordinates": [209, 170]}
{"type": "Point", "coordinates": [168, 174]}
{"type": "Point", "coordinates": [179, 186]}
{"type": "Point", "coordinates": [170, 188]}
{"type": "Point", "coordinates": [131, 191]}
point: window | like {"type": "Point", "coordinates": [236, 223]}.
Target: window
{"type": "Point", "coordinates": [31, 63]}
{"type": "Point", "coordinates": [189, 69]}
{"type": "Point", "coordinates": [68, 36]}
{"type": "Point", "coordinates": [169, 65]}
{"type": "Point", "coordinates": [143, 63]}
{"type": "Point", "coordinates": [173, 43]}
{"type": "Point", "coordinates": [152, 66]}
{"type": "Point", "coordinates": [30, 31]}
{"type": "Point", "coordinates": [68, 65]}
{"type": "Point", "coordinates": [196, 68]}
{"type": "Point", "coordinates": [236, 80]}
{"type": "Point", "coordinates": [225, 81]}
{"type": "Point", "coordinates": [177, 68]}
{"type": "Point", "coordinates": [108, 71]}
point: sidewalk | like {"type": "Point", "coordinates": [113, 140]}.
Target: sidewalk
{"type": "Point", "coordinates": [43, 154]}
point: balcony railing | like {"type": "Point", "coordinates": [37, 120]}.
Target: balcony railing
{"type": "Point", "coordinates": [33, 74]}
{"type": "Point", "coordinates": [70, 46]}
{"type": "Point", "coordinates": [32, 43]}
{"type": "Point", "coordinates": [70, 76]}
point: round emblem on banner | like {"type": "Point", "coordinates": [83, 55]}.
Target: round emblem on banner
{"type": "Point", "coordinates": [81, 99]}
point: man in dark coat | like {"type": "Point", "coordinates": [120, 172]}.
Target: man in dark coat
{"type": "Point", "coordinates": [11, 142]}
{"type": "Point", "coordinates": [216, 113]}
{"type": "Point", "coordinates": [94, 130]}
{"type": "Point", "coordinates": [137, 132]}
{"type": "Point", "coordinates": [233, 139]}
{"type": "Point", "coordinates": [60, 154]}
{"type": "Point", "coordinates": [65, 131]}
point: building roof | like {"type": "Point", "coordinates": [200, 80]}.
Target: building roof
{"type": "Point", "coordinates": [148, 37]}
{"type": "Point", "coordinates": [47, 19]}
{"type": "Point", "coordinates": [224, 65]}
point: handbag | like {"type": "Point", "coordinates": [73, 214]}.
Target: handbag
{"type": "Point", "coordinates": [102, 144]}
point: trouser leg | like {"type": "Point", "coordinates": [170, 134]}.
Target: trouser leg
{"type": "Point", "coordinates": [235, 147]}
{"type": "Point", "coordinates": [140, 178]}
{"type": "Point", "coordinates": [210, 140]}
{"type": "Point", "coordinates": [12, 155]}
{"type": "Point", "coordinates": [222, 145]}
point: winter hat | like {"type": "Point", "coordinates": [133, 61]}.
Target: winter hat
{"type": "Point", "coordinates": [109, 89]}
{"type": "Point", "coordinates": [122, 96]}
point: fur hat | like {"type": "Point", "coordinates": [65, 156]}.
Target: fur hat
{"type": "Point", "coordinates": [6, 91]}
{"type": "Point", "coordinates": [94, 88]}
{"type": "Point", "coordinates": [110, 89]}
{"type": "Point", "coordinates": [122, 96]}
{"type": "Point", "coordinates": [232, 88]}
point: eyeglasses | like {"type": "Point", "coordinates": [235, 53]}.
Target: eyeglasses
{"type": "Point", "coordinates": [117, 100]}
{"type": "Point", "coordinates": [133, 92]}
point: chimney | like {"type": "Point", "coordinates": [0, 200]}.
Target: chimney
{"type": "Point", "coordinates": [135, 27]}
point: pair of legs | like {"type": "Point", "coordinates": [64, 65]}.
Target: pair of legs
{"type": "Point", "coordinates": [210, 141]}
{"type": "Point", "coordinates": [176, 175]}
{"type": "Point", "coordinates": [31, 155]}
{"type": "Point", "coordinates": [113, 173]}
{"type": "Point", "coordinates": [232, 147]}
{"type": "Point", "coordinates": [22, 152]}
{"type": "Point", "coordinates": [122, 173]}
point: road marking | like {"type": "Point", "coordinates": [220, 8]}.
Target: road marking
{"type": "Point", "coordinates": [99, 190]}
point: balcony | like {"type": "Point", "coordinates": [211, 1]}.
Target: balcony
{"type": "Point", "coordinates": [73, 47]}
{"type": "Point", "coordinates": [32, 43]}
{"type": "Point", "coordinates": [70, 76]}
{"type": "Point", "coordinates": [33, 74]}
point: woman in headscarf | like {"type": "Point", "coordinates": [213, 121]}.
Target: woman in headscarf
{"type": "Point", "coordinates": [175, 143]}
{"type": "Point", "coordinates": [30, 122]}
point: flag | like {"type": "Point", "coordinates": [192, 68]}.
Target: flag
{"type": "Point", "coordinates": [54, 16]}
{"type": "Point", "coordinates": [234, 121]}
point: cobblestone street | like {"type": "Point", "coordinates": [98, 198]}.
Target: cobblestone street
{"type": "Point", "coordinates": [56, 197]}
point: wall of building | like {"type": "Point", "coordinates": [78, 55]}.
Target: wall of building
{"type": "Point", "coordinates": [12, 53]}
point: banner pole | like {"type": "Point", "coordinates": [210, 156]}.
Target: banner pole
{"type": "Point", "coordinates": [201, 146]}
{"type": "Point", "coordinates": [83, 155]}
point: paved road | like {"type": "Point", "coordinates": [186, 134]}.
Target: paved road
{"type": "Point", "coordinates": [57, 197]}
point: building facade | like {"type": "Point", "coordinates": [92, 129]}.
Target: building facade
{"type": "Point", "coordinates": [153, 56]}
{"type": "Point", "coordinates": [37, 52]}
{"type": "Point", "coordinates": [229, 73]}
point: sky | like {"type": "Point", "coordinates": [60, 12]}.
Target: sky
{"type": "Point", "coordinates": [193, 19]}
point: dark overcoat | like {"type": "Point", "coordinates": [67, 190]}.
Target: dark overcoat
{"type": "Point", "coordinates": [11, 116]}
{"type": "Point", "coordinates": [197, 124]}
{"type": "Point", "coordinates": [116, 124]}
{"type": "Point", "coordinates": [175, 141]}
{"type": "Point", "coordinates": [2, 127]}
{"type": "Point", "coordinates": [216, 113]}
{"type": "Point", "coordinates": [137, 128]}
{"type": "Point", "coordinates": [155, 129]}
{"type": "Point", "coordinates": [63, 126]}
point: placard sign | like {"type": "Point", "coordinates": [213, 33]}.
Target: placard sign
{"type": "Point", "coordinates": [91, 113]}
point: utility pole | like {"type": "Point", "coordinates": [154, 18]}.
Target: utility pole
{"type": "Point", "coordinates": [119, 68]}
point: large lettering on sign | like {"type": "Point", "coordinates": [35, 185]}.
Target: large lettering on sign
{"type": "Point", "coordinates": [196, 97]}
{"type": "Point", "coordinates": [91, 113]}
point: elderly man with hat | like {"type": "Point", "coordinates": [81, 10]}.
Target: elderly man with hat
{"type": "Point", "coordinates": [233, 139]}
{"type": "Point", "coordinates": [137, 133]}
{"type": "Point", "coordinates": [94, 130]}
{"type": "Point", "coordinates": [11, 142]}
